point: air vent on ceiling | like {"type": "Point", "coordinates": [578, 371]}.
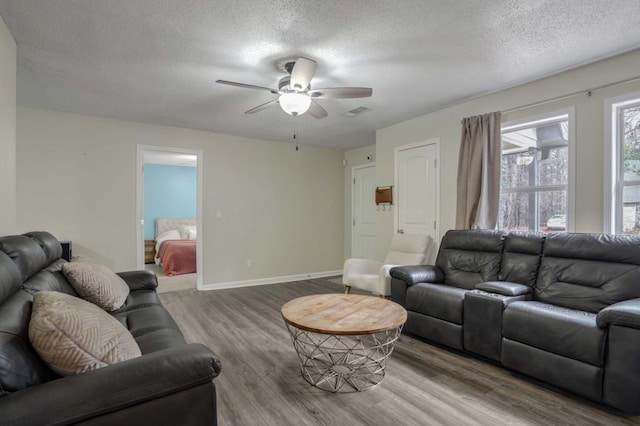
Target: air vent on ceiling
{"type": "Point", "coordinates": [356, 111]}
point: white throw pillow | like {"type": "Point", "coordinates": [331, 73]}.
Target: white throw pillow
{"type": "Point", "coordinates": [188, 232]}
{"type": "Point", "coordinates": [192, 233]}
{"type": "Point", "coordinates": [172, 234]}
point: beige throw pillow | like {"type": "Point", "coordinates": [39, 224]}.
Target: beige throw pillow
{"type": "Point", "coordinates": [97, 284]}
{"type": "Point", "coordinates": [74, 336]}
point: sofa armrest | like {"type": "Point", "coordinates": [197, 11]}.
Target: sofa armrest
{"type": "Point", "coordinates": [625, 314]}
{"type": "Point", "coordinates": [418, 274]}
{"type": "Point", "coordinates": [384, 279]}
{"type": "Point", "coordinates": [504, 288]}
{"type": "Point", "coordinates": [140, 280]}
{"type": "Point", "coordinates": [79, 397]}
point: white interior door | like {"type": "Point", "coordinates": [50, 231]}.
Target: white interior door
{"type": "Point", "coordinates": [417, 190]}
{"type": "Point", "coordinates": [363, 234]}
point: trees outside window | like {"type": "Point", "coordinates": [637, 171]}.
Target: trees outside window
{"type": "Point", "coordinates": [628, 135]}
{"type": "Point", "coordinates": [535, 176]}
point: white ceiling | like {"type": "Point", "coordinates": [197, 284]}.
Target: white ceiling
{"type": "Point", "coordinates": [156, 61]}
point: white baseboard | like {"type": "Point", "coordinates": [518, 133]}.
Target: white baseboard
{"type": "Point", "coordinates": [273, 280]}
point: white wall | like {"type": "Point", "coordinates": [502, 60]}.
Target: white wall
{"type": "Point", "coordinates": [7, 131]}
{"type": "Point", "coordinates": [445, 124]}
{"type": "Point", "coordinates": [282, 208]}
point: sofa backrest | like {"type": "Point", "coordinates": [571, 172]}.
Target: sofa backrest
{"type": "Point", "coordinates": [588, 271]}
{"type": "Point", "coordinates": [521, 257]}
{"type": "Point", "coordinates": [469, 257]}
{"type": "Point", "coordinates": [28, 263]}
{"type": "Point", "coordinates": [49, 277]}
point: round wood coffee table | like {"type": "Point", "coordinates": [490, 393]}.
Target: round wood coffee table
{"type": "Point", "coordinates": [343, 340]}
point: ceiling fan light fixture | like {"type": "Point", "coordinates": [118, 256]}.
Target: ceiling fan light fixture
{"type": "Point", "coordinates": [294, 91]}
{"type": "Point", "coordinates": [295, 103]}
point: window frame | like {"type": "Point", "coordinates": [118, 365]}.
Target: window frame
{"type": "Point", "coordinates": [550, 117]}
{"type": "Point", "coordinates": [614, 171]}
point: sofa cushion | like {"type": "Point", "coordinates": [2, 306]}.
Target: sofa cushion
{"type": "Point", "coordinates": [589, 271]}
{"type": "Point", "coordinates": [521, 257]}
{"type": "Point", "coordinates": [139, 299]}
{"type": "Point", "coordinates": [407, 249]}
{"type": "Point", "coordinates": [10, 278]}
{"type": "Point", "coordinates": [150, 324]}
{"type": "Point", "coordinates": [48, 243]}
{"type": "Point", "coordinates": [469, 257]}
{"type": "Point", "coordinates": [74, 336]}
{"type": "Point", "coordinates": [44, 280]}
{"type": "Point", "coordinates": [97, 284]}
{"type": "Point", "coordinates": [366, 282]}
{"type": "Point", "coordinates": [567, 332]}
{"type": "Point", "coordinates": [437, 300]}
{"type": "Point", "coordinates": [20, 365]}
{"type": "Point", "coordinates": [25, 252]}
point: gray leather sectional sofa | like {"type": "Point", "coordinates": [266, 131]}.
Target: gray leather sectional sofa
{"type": "Point", "coordinates": [562, 308]}
{"type": "Point", "coordinates": [172, 383]}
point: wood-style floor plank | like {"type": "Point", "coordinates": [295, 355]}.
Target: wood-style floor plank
{"type": "Point", "coordinates": [261, 384]}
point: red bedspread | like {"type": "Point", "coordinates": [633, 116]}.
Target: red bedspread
{"type": "Point", "coordinates": [177, 256]}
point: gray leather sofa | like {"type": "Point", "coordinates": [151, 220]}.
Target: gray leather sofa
{"type": "Point", "coordinates": [172, 383]}
{"type": "Point", "coordinates": [562, 308]}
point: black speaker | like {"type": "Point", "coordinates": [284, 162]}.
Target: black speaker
{"type": "Point", "coordinates": [67, 250]}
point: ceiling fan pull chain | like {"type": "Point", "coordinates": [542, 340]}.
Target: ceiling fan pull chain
{"type": "Point", "coordinates": [295, 132]}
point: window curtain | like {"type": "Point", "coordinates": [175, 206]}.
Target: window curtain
{"type": "Point", "coordinates": [479, 172]}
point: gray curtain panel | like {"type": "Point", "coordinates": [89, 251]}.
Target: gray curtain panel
{"type": "Point", "coordinates": [479, 172]}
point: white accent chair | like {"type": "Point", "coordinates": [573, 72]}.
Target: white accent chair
{"type": "Point", "coordinates": [373, 276]}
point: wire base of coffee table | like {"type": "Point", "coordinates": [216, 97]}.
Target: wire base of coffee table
{"type": "Point", "coordinates": [343, 363]}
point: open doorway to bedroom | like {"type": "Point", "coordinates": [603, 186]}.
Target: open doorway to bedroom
{"type": "Point", "coordinates": [168, 234]}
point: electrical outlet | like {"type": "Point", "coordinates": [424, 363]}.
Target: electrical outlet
{"type": "Point", "coordinates": [219, 214]}
{"type": "Point", "coordinates": [249, 263]}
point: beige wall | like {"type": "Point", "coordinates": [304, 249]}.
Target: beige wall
{"type": "Point", "coordinates": [282, 208]}
{"type": "Point", "coordinates": [589, 114]}
{"type": "Point", "coordinates": [7, 131]}
{"type": "Point", "coordinates": [353, 158]}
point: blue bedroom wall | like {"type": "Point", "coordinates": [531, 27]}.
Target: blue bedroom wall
{"type": "Point", "coordinates": [169, 191]}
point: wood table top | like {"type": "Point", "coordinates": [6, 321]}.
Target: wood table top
{"type": "Point", "coordinates": [343, 314]}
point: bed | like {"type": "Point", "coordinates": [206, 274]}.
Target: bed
{"type": "Point", "coordinates": [176, 245]}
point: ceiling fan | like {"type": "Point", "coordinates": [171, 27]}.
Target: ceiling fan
{"type": "Point", "coordinates": [295, 95]}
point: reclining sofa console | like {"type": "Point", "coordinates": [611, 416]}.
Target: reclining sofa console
{"type": "Point", "coordinates": [563, 308]}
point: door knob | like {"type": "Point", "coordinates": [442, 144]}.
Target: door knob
{"type": "Point", "coordinates": [400, 231]}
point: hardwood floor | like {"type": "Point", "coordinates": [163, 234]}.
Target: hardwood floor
{"type": "Point", "coordinates": [260, 383]}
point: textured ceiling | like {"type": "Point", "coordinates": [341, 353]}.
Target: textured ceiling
{"type": "Point", "coordinates": [156, 61]}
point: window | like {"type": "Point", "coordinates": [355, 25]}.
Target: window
{"type": "Point", "coordinates": [535, 175]}
{"type": "Point", "coordinates": [625, 188]}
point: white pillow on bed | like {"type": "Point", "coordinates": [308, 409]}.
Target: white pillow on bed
{"type": "Point", "coordinates": [188, 232]}
{"type": "Point", "coordinates": [171, 234]}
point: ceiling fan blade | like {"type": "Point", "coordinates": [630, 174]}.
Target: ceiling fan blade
{"type": "Point", "coordinates": [341, 93]}
{"type": "Point", "coordinates": [302, 73]}
{"type": "Point", "coordinates": [315, 110]}
{"type": "Point", "coordinates": [261, 107]}
{"type": "Point", "coordinates": [246, 86]}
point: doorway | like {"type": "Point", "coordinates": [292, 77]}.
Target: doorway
{"type": "Point", "coordinates": [169, 192]}
{"type": "Point", "coordinates": [417, 190]}
{"type": "Point", "coordinates": [363, 237]}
